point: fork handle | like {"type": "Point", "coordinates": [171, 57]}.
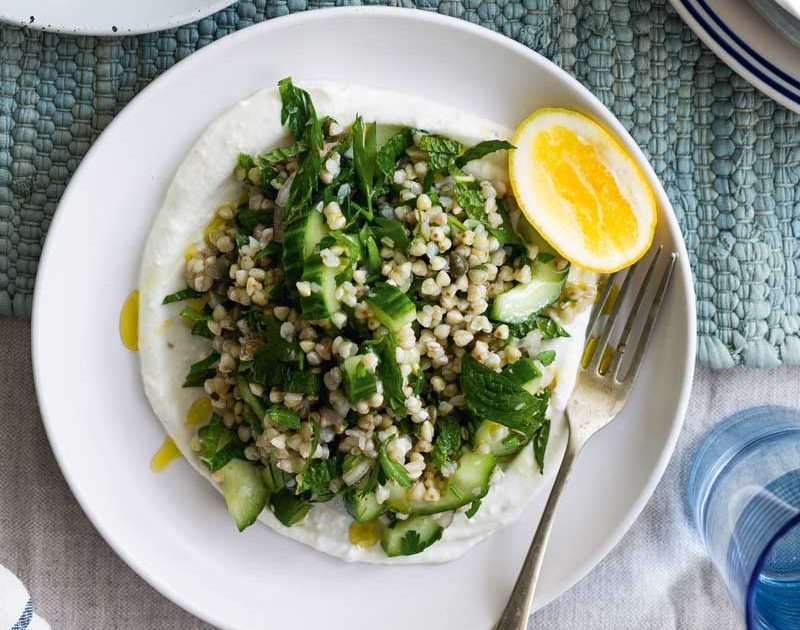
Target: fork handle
{"type": "Point", "coordinates": [515, 615]}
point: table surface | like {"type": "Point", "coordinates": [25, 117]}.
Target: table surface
{"type": "Point", "coordinates": [659, 569]}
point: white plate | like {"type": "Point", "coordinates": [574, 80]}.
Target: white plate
{"type": "Point", "coordinates": [106, 17]}
{"type": "Point", "coordinates": [172, 528]}
{"type": "Point", "coordinates": [749, 44]}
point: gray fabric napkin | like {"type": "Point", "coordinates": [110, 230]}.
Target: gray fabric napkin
{"type": "Point", "coordinates": [657, 578]}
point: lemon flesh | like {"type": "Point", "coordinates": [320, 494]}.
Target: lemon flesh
{"type": "Point", "coordinates": [581, 190]}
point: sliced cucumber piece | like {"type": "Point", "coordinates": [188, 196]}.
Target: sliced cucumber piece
{"type": "Point", "coordinates": [391, 306]}
{"type": "Point", "coordinates": [299, 241]}
{"type": "Point", "coordinates": [244, 491]}
{"type": "Point", "coordinates": [363, 506]}
{"type": "Point", "coordinates": [322, 302]}
{"type": "Point", "coordinates": [501, 441]}
{"type": "Point", "coordinates": [359, 382]}
{"type": "Point", "coordinates": [522, 371]}
{"type": "Point", "coordinates": [405, 538]}
{"type": "Point", "coordinates": [468, 483]}
{"type": "Point", "coordinates": [525, 300]}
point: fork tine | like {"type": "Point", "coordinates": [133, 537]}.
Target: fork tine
{"type": "Point", "coordinates": [600, 304]}
{"type": "Point", "coordinates": [647, 329]}
{"type": "Point", "coordinates": [608, 326]}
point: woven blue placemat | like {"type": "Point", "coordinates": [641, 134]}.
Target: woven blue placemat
{"type": "Point", "coordinates": [728, 156]}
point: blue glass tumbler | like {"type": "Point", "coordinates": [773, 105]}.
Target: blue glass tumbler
{"type": "Point", "coordinates": [744, 496]}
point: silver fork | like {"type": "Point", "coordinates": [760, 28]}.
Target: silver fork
{"type": "Point", "coordinates": [600, 393]}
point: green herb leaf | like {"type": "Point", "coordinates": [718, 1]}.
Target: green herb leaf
{"type": "Point", "coordinates": [180, 296]}
{"type": "Point", "coordinates": [281, 154]}
{"type": "Point", "coordinates": [505, 233]}
{"type": "Point", "coordinates": [250, 399]}
{"type": "Point", "coordinates": [365, 157]}
{"type": "Point", "coordinates": [247, 219]}
{"type": "Point", "coordinates": [283, 417]}
{"type": "Point", "coordinates": [393, 229]}
{"type": "Point", "coordinates": [482, 149]}
{"type": "Point", "coordinates": [549, 328]}
{"type": "Point", "coordinates": [194, 315]}
{"type": "Point", "coordinates": [391, 377]}
{"type": "Point", "coordinates": [245, 161]}
{"type": "Point", "coordinates": [448, 440]}
{"type": "Point", "coordinates": [218, 444]}
{"type": "Point", "coordinates": [489, 394]}
{"type": "Point", "coordinates": [441, 151]}
{"type": "Point", "coordinates": [392, 469]}
{"type": "Point", "coordinates": [318, 475]}
{"type": "Point", "coordinates": [540, 444]}
{"type": "Point", "coordinates": [201, 370]}
{"type": "Point", "coordinates": [392, 150]}
{"type": "Point", "coordinates": [471, 200]}
{"type": "Point", "coordinates": [288, 508]}
{"type": "Point", "coordinates": [200, 329]}
{"type": "Point", "coordinates": [296, 108]}
{"type": "Point", "coordinates": [546, 357]}
{"type": "Point", "coordinates": [274, 478]}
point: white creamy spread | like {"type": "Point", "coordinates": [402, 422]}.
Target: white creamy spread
{"type": "Point", "coordinates": [201, 183]}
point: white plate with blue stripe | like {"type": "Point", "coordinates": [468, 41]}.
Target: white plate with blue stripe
{"type": "Point", "coordinates": [740, 36]}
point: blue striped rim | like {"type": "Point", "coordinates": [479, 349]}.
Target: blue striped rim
{"type": "Point", "coordinates": [25, 618]}
{"type": "Point", "coordinates": [768, 79]}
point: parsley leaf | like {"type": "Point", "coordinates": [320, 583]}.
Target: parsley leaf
{"type": "Point", "coordinates": [296, 108]}
{"type": "Point", "coordinates": [281, 154]}
{"type": "Point", "coordinates": [245, 161]}
{"type": "Point", "coordinates": [283, 417]}
{"type": "Point", "coordinates": [392, 150]}
{"type": "Point", "coordinates": [218, 444]}
{"type": "Point", "coordinates": [549, 327]}
{"type": "Point", "coordinates": [411, 543]}
{"type": "Point", "coordinates": [489, 394]}
{"type": "Point", "coordinates": [392, 469]}
{"type": "Point", "coordinates": [448, 440]}
{"type": "Point", "coordinates": [318, 475]}
{"type": "Point", "coordinates": [441, 151]}
{"type": "Point", "coordinates": [391, 377]}
{"type": "Point", "coordinates": [482, 149]}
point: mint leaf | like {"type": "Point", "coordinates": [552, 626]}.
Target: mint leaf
{"type": "Point", "coordinates": [180, 296]}
{"type": "Point", "coordinates": [200, 371]}
{"type": "Point", "coordinates": [365, 158]}
{"type": "Point", "coordinates": [540, 444]}
{"type": "Point", "coordinates": [471, 200]}
{"type": "Point", "coordinates": [394, 230]}
{"type": "Point", "coordinates": [218, 444]}
{"type": "Point", "coordinates": [391, 151]}
{"type": "Point", "coordinates": [283, 417]}
{"type": "Point", "coordinates": [482, 149]}
{"type": "Point", "coordinates": [288, 508]}
{"type": "Point", "coordinates": [441, 151]}
{"type": "Point", "coordinates": [281, 154]}
{"type": "Point", "coordinates": [296, 108]}
{"type": "Point", "coordinates": [448, 440]}
{"type": "Point", "coordinates": [549, 328]}
{"type": "Point", "coordinates": [489, 394]}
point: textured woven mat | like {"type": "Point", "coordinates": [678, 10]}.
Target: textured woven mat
{"type": "Point", "coordinates": [728, 156]}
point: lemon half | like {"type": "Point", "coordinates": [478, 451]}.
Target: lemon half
{"type": "Point", "coordinates": [581, 190]}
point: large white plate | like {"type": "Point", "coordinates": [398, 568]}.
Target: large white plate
{"type": "Point", "coordinates": [172, 528]}
{"type": "Point", "coordinates": [749, 44]}
{"type": "Point", "coordinates": [106, 17]}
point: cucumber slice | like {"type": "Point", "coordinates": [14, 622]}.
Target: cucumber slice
{"type": "Point", "coordinates": [405, 538]}
{"type": "Point", "coordinates": [526, 300]}
{"type": "Point", "coordinates": [501, 441]}
{"type": "Point", "coordinates": [244, 491]}
{"type": "Point", "coordinates": [468, 483]}
{"type": "Point", "coordinates": [299, 241]}
{"type": "Point", "coordinates": [391, 306]}
{"type": "Point", "coordinates": [322, 302]}
{"type": "Point", "coordinates": [522, 371]}
{"type": "Point", "coordinates": [363, 506]}
{"type": "Point", "coordinates": [359, 382]}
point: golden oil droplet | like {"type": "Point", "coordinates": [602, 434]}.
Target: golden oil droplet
{"type": "Point", "coordinates": [199, 412]}
{"type": "Point", "coordinates": [215, 224]}
{"type": "Point", "coordinates": [588, 351]}
{"type": "Point", "coordinates": [611, 300]}
{"type": "Point", "coordinates": [129, 321]}
{"type": "Point", "coordinates": [167, 452]}
{"type": "Point", "coordinates": [189, 252]}
{"type": "Point", "coordinates": [365, 534]}
{"type": "Point", "coordinates": [605, 360]}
